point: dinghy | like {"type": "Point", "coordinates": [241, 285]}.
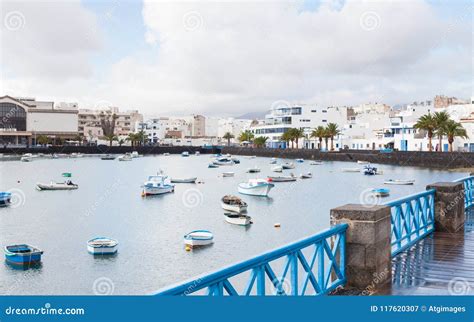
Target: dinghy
{"type": "Point", "coordinates": [22, 254]}
{"type": "Point", "coordinates": [166, 154]}
{"type": "Point", "coordinates": [308, 175]}
{"type": "Point", "coordinates": [157, 185]}
{"type": "Point", "coordinates": [227, 174]}
{"type": "Point", "coordinates": [67, 185]}
{"type": "Point", "coordinates": [362, 162]}
{"type": "Point", "coordinates": [238, 219]}
{"type": "Point", "coordinates": [198, 238]}
{"type": "Point", "coordinates": [102, 246]}
{"type": "Point", "coordinates": [235, 160]}
{"type": "Point", "coordinates": [299, 160]}
{"type": "Point", "coordinates": [277, 168]}
{"type": "Point", "coordinates": [255, 187]}
{"type": "Point", "coordinates": [233, 203]}
{"type": "Point", "coordinates": [212, 165]}
{"type": "Point", "coordinates": [369, 170]}
{"type": "Point", "coordinates": [315, 162]}
{"type": "Point", "coordinates": [125, 157]}
{"type": "Point", "coordinates": [399, 182]}
{"type": "Point", "coordinates": [107, 157]}
{"type": "Point", "coordinates": [185, 154]}
{"type": "Point", "coordinates": [187, 180]}
{"type": "Point", "coordinates": [5, 199]}
{"type": "Point", "coordinates": [135, 154]}
{"type": "Point", "coordinates": [381, 192]}
{"type": "Point", "coordinates": [288, 165]}
{"type": "Point", "coordinates": [197, 153]}
{"type": "Point", "coordinates": [26, 159]}
{"type": "Point", "coordinates": [282, 178]}
{"type": "Point", "coordinates": [253, 170]}
{"type": "Point", "coordinates": [350, 170]}
{"type": "Point", "coordinates": [273, 161]}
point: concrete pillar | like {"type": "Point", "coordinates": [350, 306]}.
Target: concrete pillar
{"type": "Point", "coordinates": [449, 206]}
{"type": "Point", "coordinates": [368, 249]}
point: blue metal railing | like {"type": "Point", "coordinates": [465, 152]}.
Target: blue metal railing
{"type": "Point", "coordinates": [322, 273]}
{"type": "Point", "coordinates": [412, 219]}
{"type": "Point", "coordinates": [468, 190]}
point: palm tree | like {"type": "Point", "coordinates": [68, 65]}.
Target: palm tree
{"type": "Point", "coordinates": [121, 142]}
{"type": "Point", "coordinates": [228, 136]}
{"type": "Point", "coordinates": [319, 133]}
{"type": "Point", "coordinates": [427, 123]}
{"type": "Point", "coordinates": [297, 134]}
{"type": "Point", "coordinates": [141, 137]}
{"type": "Point", "coordinates": [286, 137]}
{"type": "Point", "coordinates": [332, 131]}
{"type": "Point", "coordinates": [42, 139]}
{"type": "Point", "coordinates": [246, 136]}
{"type": "Point", "coordinates": [440, 120]}
{"type": "Point", "coordinates": [326, 137]}
{"type": "Point", "coordinates": [79, 138]}
{"type": "Point", "coordinates": [111, 138]}
{"type": "Point", "coordinates": [452, 130]}
{"type": "Point", "coordinates": [260, 141]}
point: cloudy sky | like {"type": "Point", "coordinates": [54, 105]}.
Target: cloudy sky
{"type": "Point", "coordinates": [233, 57]}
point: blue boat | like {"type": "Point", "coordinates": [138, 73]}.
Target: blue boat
{"type": "Point", "coordinates": [22, 254]}
{"type": "Point", "coordinates": [5, 199]}
{"type": "Point", "coordinates": [381, 192]}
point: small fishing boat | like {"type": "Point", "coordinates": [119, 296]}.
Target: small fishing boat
{"type": "Point", "coordinates": [157, 185]}
{"type": "Point", "coordinates": [299, 160]}
{"type": "Point", "coordinates": [5, 199]}
{"type": "Point", "coordinates": [135, 154]}
{"type": "Point", "coordinates": [102, 246]}
{"type": "Point", "coordinates": [253, 170]}
{"type": "Point", "coordinates": [227, 174]}
{"type": "Point", "coordinates": [255, 187]}
{"type": "Point", "coordinates": [107, 157]}
{"type": "Point", "coordinates": [251, 157]}
{"type": "Point", "coordinates": [26, 158]}
{"type": "Point", "coordinates": [399, 182]}
{"type": "Point", "coordinates": [289, 178]}
{"type": "Point", "coordinates": [308, 175]}
{"type": "Point", "coordinates": [185, 180]}
{"type": "Point", "coordinates": [125, 157]}
{"type": "Point", "coordinates": [316, 162]}
{"type": "Point", "coordinates": [22, 254]}
{"type": "Point", "coordinates": [381, 192]}
{"type": "Point", "coordinates": [350, 169]}
{"type": "Point", "coordinates": [185, 154]}
{"type": "Point", "coordinates": [166, 154]}
{"type": "Point", "coordinates": [198, 238]}
{"type": "Point", "coordinates": [277, 168]}
{"type": "Point", "coordinates": [223, 162]}
{"type": "Point", "coordinates": [288, 165]}
{"type": "Point", "coordinates": [369, 170]}
{"type": "Point", "coordinates": [233, 203]}
{"type": "Point", "coordinates": [235, 160]}
{"type": "Point", "coordinates": [362, 162]}
{"type": "Point", "coordinates": [212, 165]}
{"type": "Point", "coordinates": [67, 185]}
{"type": "Point", "coordinates": [238, 219]}
{"type": "Point", "coordinates": [197, 153]}
{"type": "Point", "coordinates": [273, 161]}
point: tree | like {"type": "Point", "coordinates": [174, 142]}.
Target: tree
{"type": "Point", "coordinates": [141, 137]}
{"type": "Point", "coordinates": [111, 138]}
{"type": "Point", "coordinates": [319, 133]}
{"type": "Point", "coordinates": [80, 138]}
{"type": "Point", "coordinates": [246, 136]}
{"type": "Point", "coordinates": [107, 123]}
{"type": "Point", "coordinates": [132, 137]}
{"type": "Point", "coordinates": [452, 130]}
{"type": "Point", "coordinates": [228, 136]}
{"type": "Point", "coordinates": [286, 137]}
{"type": "Point", "coordinates": [260, 141]}
{"type": "Point", "coordinates": [332, 131]}
{"type": "Point", "coordinates": [326, 138]}
{"type": "Point", "coordinates": [427, 123]}
{"type": "Point", "coordinates": [42, 139]}
{"type": "Point", "coordinates": [295, 135]}
{"type": "Point", "coordinates": [441, 118]}
{"type": "Point", "coordinates": [121, 142]}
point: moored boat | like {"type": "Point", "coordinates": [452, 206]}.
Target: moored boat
{"type": "Point", "coordinates": [166, 154]}
{"type": "Point", "coordinates": [184, 180]}
{"type": "Point", "coordinates": [253, 170]}
{"type": "Point", "coordinates": [125, 157]}
{"type": "Point", "coordinates": [238, 219]}
{"type": "Point", "coordinates": [135, 154]}
{"type": "Point", "coordinates": [381, 192]}
{"type": "Point", "coordinates": [362, 162]}
{"type": "Point", "coordinates": [197, 153]}
{"type": "Point", "coordinates": [27, 158]}
{"type": "Point", "coordinates": [369, 170]}
{"type": "Point", "coordinates": [273, 161]}
{"type": "Point", "coordinates": [307, 175]}
{"type": "Point", "coordinates": [212, 165]}
{"type": "Point", "coordinates": [282, 178]}
{"type": "Point", "coordinates": [399, 182]}
{"type": "Point", "coordinates": [288, 165]}
{"type": "Point", "coordinates": [233, 203]}
{"type": "Point", "coordinates": [316, 162]}
{"type": "Point", "coordinates": [235, 160]}
{"type": "Point", "coordinates": [107, 157]}
{"type": "Point", "coordinates": [185, 154]}
{"type": "Point", "coordinates": [227, 174]}
{"type": "Point", "coordinates": [277, 168]}
{"type": "Point", "coordinates": [198, 238]}
{"type": "Point", "coordinates": [299, 160]}
{"type": "Point", "coordinates": [22, 254]}
{"type": "Point", "coordinates": [5, 198]}
{"type": "Point", "coordinates": [255, 187]}
{"type": "Point", "coordinates": [102, 246]}
{"type": "Point", "coordinates": [67, 185]}
{"type": "Point", "coordinates": [350, 170]}
{"type": "Point", "coordinates": [157, 185]}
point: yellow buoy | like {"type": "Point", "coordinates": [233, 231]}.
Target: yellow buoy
{"type": "Point", "coordinates": [143, 194]}
{"type": "Point", "coordinates": [188, 248]}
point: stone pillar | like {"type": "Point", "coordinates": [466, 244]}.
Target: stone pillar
{"type": "Point", "coordinates": [449, 206]}
{"type": "Point", "coordinates": [368, 249]}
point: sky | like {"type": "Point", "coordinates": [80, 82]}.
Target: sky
{"type": "Point", "coordinates": [227, 58]}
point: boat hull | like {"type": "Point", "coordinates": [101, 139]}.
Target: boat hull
{"type": "Point", "coordinates": [41, 186]}
{"type": "Point", "coordinates": [282, 179]}
{"type": "Point", "coordinates": [190, 180]}
{"type": "Point", "coordinates": [23, 258]}
{"type": "Point", "coordinates": [227, 174]}
{"type": "Point", "coordinates": [198, 238]}
{"type": "Point", "coordinates": [102, 250]}
{"type": "Point", "coordinates": [234, 208]}
{"type": "Point", "coordinates": [152, 191]}
{"type": "Point", "coordinates": [260, 190]}
{"type": "Point", "coordinates": [238, 220]}
{"type": "Point", "coordinates": [401, 183]}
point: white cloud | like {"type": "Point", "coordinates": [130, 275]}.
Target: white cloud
{"type": "Point", "coordinates": [233, 57]}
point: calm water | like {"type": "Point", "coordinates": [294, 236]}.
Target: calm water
{"type": "Point", "coordinates": [150, 230]}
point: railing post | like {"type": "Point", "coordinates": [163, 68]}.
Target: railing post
{"type": "Point", "coordinates": [368, 250]}
{"type": "Point", "coordinates": [449, 206]}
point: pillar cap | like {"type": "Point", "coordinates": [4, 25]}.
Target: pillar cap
{"type": "Point", "coordinates": [446, 186]}
{"type": "Point", "coordinates": [360, 212]}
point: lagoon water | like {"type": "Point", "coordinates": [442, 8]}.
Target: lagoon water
{"type": "Point", "coordinates": [150, 230]}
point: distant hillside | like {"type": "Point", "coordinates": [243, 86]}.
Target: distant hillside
{"type": "Point", "coordinates": [253, 116]}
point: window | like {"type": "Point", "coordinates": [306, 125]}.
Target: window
{"type": "Point", "coordinates": [325, 111]}
{"type": "Point", "coordinates": [313, 111]}
{"type": "Point", "coordinates": [12, 117]}
{"type": "Point", "coordinates": [324, 121]}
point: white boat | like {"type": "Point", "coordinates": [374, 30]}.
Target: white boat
{"type": "Point", "coordinates": [198, 238]}
{"type": "Point", "coordinates": [27, 157]}
{"type": "Point", "coordinates": [253, 170]}
{"type": "Point", "coordinates": [299, 160]}
{"type": "Point", "coordinates": [166, 154]}
{"type": "Point", "coordinates": [273, 161]}
{"type": "Point", "coordinates": [282, 178]}
{"type": "Point", "coordinates": [102, 246]}
{"type": "Point", "coordinates": [185, 180]}
{"type": "Point", "coordinates": [107, 157]}
{"type": "Point", "coordinates": [135, 154]}
{"type": "Point", "coordinates": [362, 162]}
{"type": "Point", "coordinates": [381, 192]}
{"type": "Point", "coordinates": [125, 157]}
{"type": "Point", "coordinates": [350, 169]}
{"type": "Point", "coordinates": [369, 170]}
{"type": "Point", "coordinates": [227, 174]}
{"type": "Point", "coordinates": [399, 182]}
{"type": "Point", "coordinates": [233, 203]}
{"type": "Point", "coordinates": [315, 162]}
{"type": "Point", "coordinates": [256, 187]}
{"type": "Point", "coordinates": [288, 165]}
{"type": "Point", "coordinates": [185, 154]}
{"type": "Point", "coordinates": [277, 168]}
{"type": "Point", "coordinates": [197, 153]}
{"type": "Point", "coordinates": [157, 185]}
{"type": "Point", "coordinates": [238, 219]}
{"type": "Point", "coordinates": [68, 185]}
{"type": "Point", "coordinates": [308, 175]}
{"type": "Point", "coordinates": [223, 161]}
